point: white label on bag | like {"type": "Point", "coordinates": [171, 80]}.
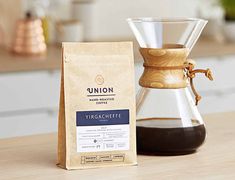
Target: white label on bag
{"type": "Point", "coordinates": [106, 130]}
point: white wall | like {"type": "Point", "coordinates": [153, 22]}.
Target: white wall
{"type": "Point", "coordinates": [10, 11]}
{"type": "Point", "coordinates": [108, 16]}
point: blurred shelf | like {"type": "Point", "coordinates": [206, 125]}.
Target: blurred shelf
{"type": "Point", "coordinates": [209, 48]}
{"type": "Point", "coordinates": [52, 60]}
{"type": "Point", "coordinates": [203, 48]}
{"type": "Point", "coordinates": [14, 63]}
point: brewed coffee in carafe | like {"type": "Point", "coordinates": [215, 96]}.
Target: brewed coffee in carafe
{"type": "Point", "coordinates": [168, 121]}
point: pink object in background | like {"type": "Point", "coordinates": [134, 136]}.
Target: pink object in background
{"type": "Point", "coordinates": [29, 38]}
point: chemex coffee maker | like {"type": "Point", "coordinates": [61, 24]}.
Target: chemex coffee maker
{"type": "Point", "coordinates": [168, 121]}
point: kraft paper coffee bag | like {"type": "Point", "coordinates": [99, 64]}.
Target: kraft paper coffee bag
{"type": "Point", "coordinates": [97, 106]}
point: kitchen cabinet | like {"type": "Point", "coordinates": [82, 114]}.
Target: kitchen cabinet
{"type": "Point", "coordinates": [29, 90]}
{"type": "Point", "coordinates": [35, 122]}
{"type": "Point", "coordinates": [218, 95]}
{"type": "Point", "coordinates": [29, 86]}
{"type": "Point", "coordinates": [29, 102]}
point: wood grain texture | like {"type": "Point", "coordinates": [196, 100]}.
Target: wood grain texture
{"type": "Point", "coordinates": [34, 157]}
{"type": "Point", "coordinates": [156, 61]}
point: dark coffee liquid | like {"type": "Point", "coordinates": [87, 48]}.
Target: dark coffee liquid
{"type": "Point", "coordinates": [169, 141]}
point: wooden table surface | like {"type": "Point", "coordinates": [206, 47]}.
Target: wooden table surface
{"type": "Point", "coordinates": [34, 157]}
{"type": "Point", "coordinates": [52, 60]}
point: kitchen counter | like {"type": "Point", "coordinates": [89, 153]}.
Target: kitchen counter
{"type": "Point", "coordinates": [209, 48]}
{"type": "Point", "coordinates": [52, 60]}
{"type": "Point", "coordinates": [16, 63]}
{"type": "Point", "coordinates": [203, 48]}
{"type": "Point", "coordinates": [34, 157]}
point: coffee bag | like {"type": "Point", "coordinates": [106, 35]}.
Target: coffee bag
{"type": "Point", "coordinates": [97, 106]}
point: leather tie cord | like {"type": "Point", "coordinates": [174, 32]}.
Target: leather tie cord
{"type": "Point", "coordinates": [165, 67]}
{"type": "Point", "coordinates": [190, 73]}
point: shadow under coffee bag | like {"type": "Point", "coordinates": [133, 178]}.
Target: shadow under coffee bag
{"type": "Point", "coordinates": [97, 106]}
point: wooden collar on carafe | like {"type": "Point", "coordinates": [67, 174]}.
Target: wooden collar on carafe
{"type": "Point", "coordinates": [164, 67]}
{"type": "Point", "coordinates": [168, 68]}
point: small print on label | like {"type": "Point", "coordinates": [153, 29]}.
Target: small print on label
{"type": "Point", "coordinates": [102, 130]}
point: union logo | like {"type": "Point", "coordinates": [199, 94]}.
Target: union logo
{"type": "Point", "coordinates": [99, 79]}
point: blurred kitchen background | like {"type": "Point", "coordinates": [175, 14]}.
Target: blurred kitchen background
{"type": "Point", "coordinates": [30, 75]}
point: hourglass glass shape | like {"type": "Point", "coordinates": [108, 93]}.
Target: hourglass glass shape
{"type": "Point", "coordinates": [168, 121]}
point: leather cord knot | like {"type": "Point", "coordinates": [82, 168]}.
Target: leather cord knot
{"type": "Point", "coordinates": [191, 73]}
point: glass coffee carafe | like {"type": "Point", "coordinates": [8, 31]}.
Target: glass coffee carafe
{"type": "Point", "coordinates": [168, 121]}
